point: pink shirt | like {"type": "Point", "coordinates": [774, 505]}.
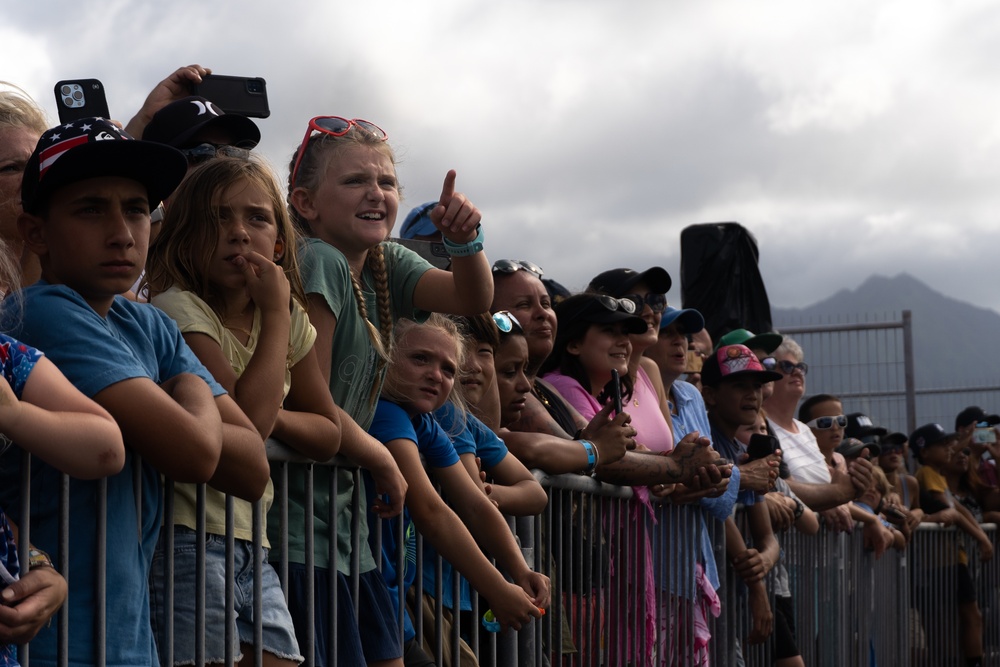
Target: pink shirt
{"type": "Point", "coordinates": [651, 426]}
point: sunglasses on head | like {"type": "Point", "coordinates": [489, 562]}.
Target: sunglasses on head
{"type": "Point", "coordinates": [825, 423]}
{"type": "Point", "coordinates": [335, 126]}
{"type": "Point", "coordinates": [205, 152]}
{"type": "Point", "coordinates": [611, 303]}
{"type": "Point", "coordinates": [505, 321]}
{"type": "Point", "coordinates": [515, 265]}
{"type": "Point", "coordinates": [656, 302]}
{"type": "Point", "coordinates": [787, 367]}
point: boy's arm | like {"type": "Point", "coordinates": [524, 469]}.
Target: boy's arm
{"type": "Point", "coordinates": [175, 426]}
{"type": "Point", "coordinates": [763, 536]}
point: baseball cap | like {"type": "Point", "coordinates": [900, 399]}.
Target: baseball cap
{"type": "Point", "coordinates": [596, 309]}
{"type": "Point", "coordinates": [861, 426]}
{"type": "Point", "coordinates": [177, 122]}
{"type": "Point", "coordinates": [768, 342]}
{"type": "Point", "coordinates": [617, 282]}
{"type": "Point", "coordinates": [688, 320]}
{"type": "Point", "coordinates": [852, 447]}
{"type": "Point", "coordinates": [418, 222]}
{"type": "Point", "coordinates": [734, 361]}
{"type": "Point", "coordinates": [974, 415]}
{"type": "Point", "coordinates": [929, 434]}
{"type": "Point", "coordinates": [894, 439]}
{"type": "Point", "coordinates": [91, 148]}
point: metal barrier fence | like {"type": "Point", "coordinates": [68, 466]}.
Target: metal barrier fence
{"type": "Point", "coordinates": [870, 366]}
{"type": "Point", "coordinates": [626, 578]}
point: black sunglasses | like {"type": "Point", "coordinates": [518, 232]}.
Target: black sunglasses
{"type": "Point", "coordinates": [788, 367]}
{"type": "Point", "coordinates": [656, 302]}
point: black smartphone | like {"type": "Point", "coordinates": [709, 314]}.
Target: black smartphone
{"type": "Point", "coordinates": [432, 251]}
{"type": "Point", "coordinates": [242, 95]}
{"type": "Point", "coordinates": [760, 446]}
{"type": "Point", "coordinates": [616, 390]}
{"type": "Point", "coordinates": [81, 98]}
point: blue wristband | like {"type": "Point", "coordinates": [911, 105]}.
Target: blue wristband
{"type": "Point", "coordinates": [466, 249]}
{"type": "Point", "coordinates": [591, 455]}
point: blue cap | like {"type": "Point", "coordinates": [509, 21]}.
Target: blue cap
{"type": "Point", "coordinates": [689, 320]}
{"type": "Point", "coordinates": [418, 222]}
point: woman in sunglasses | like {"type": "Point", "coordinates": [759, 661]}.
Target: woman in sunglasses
{"type": "Point", "coordinates": [344, 197]}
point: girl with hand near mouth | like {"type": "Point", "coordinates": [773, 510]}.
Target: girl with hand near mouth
{"type": "Point", "coordinates": [225, 269]}
{"type": "Point", "coordinates": [426, 360]}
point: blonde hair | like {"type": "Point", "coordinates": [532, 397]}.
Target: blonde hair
{"type": "Point", "coordinates": [443, 324]}
{"type": "Point", "coordinates": [181, 254]}
{"type": "Point", "coordinates": [319, 151]}
{"type": "Point", "coordinates": [17, 109]}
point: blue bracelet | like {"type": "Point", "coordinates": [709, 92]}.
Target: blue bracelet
{"type": "Point", "coordinates": [591, 455]}
{"type": "Point", "coordinates": [465, 249]}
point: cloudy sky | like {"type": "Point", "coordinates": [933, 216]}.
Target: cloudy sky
{"type": "Point", "coordinates": [849, 137]}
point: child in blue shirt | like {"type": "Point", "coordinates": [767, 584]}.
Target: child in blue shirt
{"type": "Point", "coordinates": [425, 362]}
{"type": "Point", "coordinates": [87, 192]}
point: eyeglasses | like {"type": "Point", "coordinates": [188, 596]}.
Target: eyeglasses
{"type": "Point", "coordinates": [787, 367]}
{"type": "Point", "coordinates": [891, 449]}
{"type": "Point", "coordinates": [335, 126]}
{"type": "Point", "coordinates": [826, 423]}
{"type": "Point", "coordinates": [505, 321]}
{"type": "Point", "coordinates": [205, 152]}
{"type": "Point", "coordinates": [611, 303]}
{"type": "Point", "coordinates": [515, 265]}
{"type": "Point", "coordinates": [656, 302]}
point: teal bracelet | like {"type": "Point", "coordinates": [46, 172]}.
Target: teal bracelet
{"type": "Point", "coordinates": [466, 249]}
{"type": "Point", "coordinates": [591, 455]}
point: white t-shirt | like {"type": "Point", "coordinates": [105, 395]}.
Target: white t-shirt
{"type": "Point", "coordinates": [801, 452]}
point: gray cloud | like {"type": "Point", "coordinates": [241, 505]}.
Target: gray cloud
{"type": "Point", "coordinates": [850, 138]}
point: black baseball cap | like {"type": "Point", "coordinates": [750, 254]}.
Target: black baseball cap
{"type": "Point", "coordinates": [618, 282]}
{"type": "Point", "coordinates": [929, 434]}
{"type": "Point", "coordinates": [92, 148]}
{"type": "Point", "coordinates": [862, 427]}
{"type": "Point", "coordinates": [975, 415]}
{"type": "Point", "coordinates": [176, 123]}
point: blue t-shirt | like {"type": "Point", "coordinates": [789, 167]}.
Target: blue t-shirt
{"type": "Point", "coordinates": [391, 422]}
{"type": "Point", "coordinates": [733, 450]}
{"type": "Point", "coordinates": [17, 360]}
{"type": "Point", "coordinates": [692, 416]}
{"type": "Point", "coordinates": [475, 438]}
{"type": "Point", "coordinates": [133, 341]}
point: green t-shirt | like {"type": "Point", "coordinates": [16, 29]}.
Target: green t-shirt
{"type": "Point", "coordinates": [354, 362]}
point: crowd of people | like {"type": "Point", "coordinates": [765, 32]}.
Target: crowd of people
{"type": "Point", "coordinates": [169, 306]}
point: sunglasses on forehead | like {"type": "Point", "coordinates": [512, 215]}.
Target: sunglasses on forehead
{"type": "Point", "coordinates": [611, 303]}
{"type": "Point", "coordinates": [205, 152]}
{"type": "Point", "coordinates": [506, 322]}
{"type": "Point", "coordinates": [656, 302]}
{"type": "Point", "coordinates": [826, 423]}
{"type": "Point", "coordinates": [335, 126]}
{"type": "Point", "coordinates": [515, 265]}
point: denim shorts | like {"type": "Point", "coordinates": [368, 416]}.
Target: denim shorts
{"type": "Point", "coordinates": [278, 632]}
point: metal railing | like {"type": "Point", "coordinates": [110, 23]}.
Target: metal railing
{"type": "Point", "coordinates": [625, 581]}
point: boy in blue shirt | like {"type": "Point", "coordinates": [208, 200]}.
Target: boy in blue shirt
{"type": "Point", "coordinates": [87, 192]}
